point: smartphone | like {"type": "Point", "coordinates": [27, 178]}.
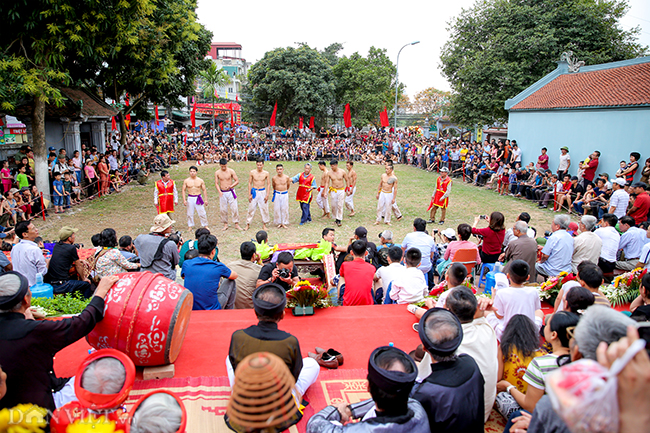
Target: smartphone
{"type": "Point", "coordinates": [644, 333]}
{"type": "Point", "coordinates": [483, 217]}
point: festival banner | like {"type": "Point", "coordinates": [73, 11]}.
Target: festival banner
{"type": "Point", "coordinates": [275, 112]}
{"type": "Point", "coordinates": [347, 116]}
{"type": "Point", "coordinates": [113, 124]}
{"type": "Point", "coordinates": [383, 117]}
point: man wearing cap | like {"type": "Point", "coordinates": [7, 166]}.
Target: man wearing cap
{"type": "Point", "coordinates": [64, 257]}
{"type": "Point", "coordinates": [27, 347]}
{"type": "Point", "coordinates": [641, 206]}
{"type": "Point", "coordinates": [452, 395]}
{"type": "Point", "coordinates": [26, 256]}
{"type": "Point", "coordinates": [157, 253]}
{"type": "Point", "coordinates": [269, 302]}
{"type": "Point", "coordinates": [620, 199]}
{"type": "Point", "coordinates": [391, 375]}
{"type": "Point", "coordinates": [440, 198]}
{"type": "Point", "coordinates": [565, 162]}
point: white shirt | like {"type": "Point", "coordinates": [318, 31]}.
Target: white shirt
{"type": "Point", "coordinates": [645, 255]}
{"type": "Point", "coordinates": [516, 154]}
{"type": "Point", "coordinates": [388, 273]}
{"type": "Point", "coordinates": [510, 301]}
{"type": "Point", "coordinates": [564, 162]}
{"type": "Point", "coordinates": [631, 242]}
{"type": "Point", "coordinates": [619, 199]}
{"type": "Point", "coordinates": [28, 260]}
{"type": "Point", "coordinates": [409, 287]}
{"type": "Point", "coordinates": [610, 238]}
{"type": "Point", "coordinates": [586, 246]}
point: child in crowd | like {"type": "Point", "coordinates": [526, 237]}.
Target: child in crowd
{"type": "Point", "coordinates": [505, 181]}
{"type": "Point", "coordinates": [409, 287]}
{"type": "Point", "coordinates": [67, 188]}
{"type": "Point", "coordinates": [59, 193]}
{"type": "Point", "coordinates": [590, 276]}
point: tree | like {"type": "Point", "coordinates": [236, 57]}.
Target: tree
{"type": "Point", "coordinates": [430, 102]}
{"type": "Point", "coordinates": [500, 47]}
{"type": "Point", "coordinates": [367, 84]}
{"type": "Point", "coordinates": [43, 38]}
{"type": "Point", "coordinates": [299, 79]}
{"type": "Point", "coordinates": [211, 79]}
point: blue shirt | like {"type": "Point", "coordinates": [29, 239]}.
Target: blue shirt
{"type": "Point", "coordinates": [559, 249]}
{"type": "Point", "coordinates": [202, 277]}
{"type": "Point", "coordinates": [425, 244]}
{"type": "Point", "coordinates": [58, 187]}
{"type": "Point", "coordinates": [632, 241]}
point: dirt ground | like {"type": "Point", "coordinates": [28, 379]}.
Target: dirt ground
{"type": "Point", "coordinates": [132, 211]}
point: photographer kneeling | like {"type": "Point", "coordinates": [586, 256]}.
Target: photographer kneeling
{"type": "Point", "coordinates": [283, 272]}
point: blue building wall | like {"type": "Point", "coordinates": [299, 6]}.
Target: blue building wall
{"type": "Point", "coordinates": [613, 132]}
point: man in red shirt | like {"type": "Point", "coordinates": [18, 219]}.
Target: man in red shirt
{"type": "Point", "coordinates": [639, 210]}
{"type": "Point", "coordinates": [590, 169]}
{"type": "Point", "coordinates": [358, 276]}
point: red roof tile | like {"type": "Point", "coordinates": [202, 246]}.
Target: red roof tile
{"type": "Point", "coordinates": [622, 86]}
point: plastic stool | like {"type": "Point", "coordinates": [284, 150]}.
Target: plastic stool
{"type": "Point", "coordinates": [490, 268]}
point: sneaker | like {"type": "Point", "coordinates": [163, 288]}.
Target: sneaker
{"type": "Point", "coordinates": [441, 222]}
{"type": "Point", "coordinates": [411, 308]}
{"type": "Point", "coordinates": [416, 327]}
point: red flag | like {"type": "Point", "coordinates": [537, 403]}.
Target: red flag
{"type": "Point", "coordinates": [347, 116]}
{"type": "Point", "coordinates": [311, 122]}
{"type": "Point", "coordinates": [383, 116]}
{"type": "Point", "coordinates": [155, 107]}
{"type": "Point", "coordinates": [300, 125]}
{"type": "Point", "coordinates": [232, 118]}
{"type": "Point", "coordinates": [275, 112]}
{"type": "Point", "coordinates": [113, 124]}
{"type": "Point", "coordinates": [127, 118]}
{"type": "Point", "coordinates": [237, 97]}
{"type": "Point", "coordinates": [193, 113]}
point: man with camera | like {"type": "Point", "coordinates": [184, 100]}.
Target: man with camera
{"type": "Point", "coordinates": [283, 272]}
{"type": "Point", "coordinates": [158, 254]}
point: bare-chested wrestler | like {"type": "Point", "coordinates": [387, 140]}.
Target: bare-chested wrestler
{"type": "Point", "coordinates": [352, 187]}
{"type": "Point", "coordinates": [194, 186]}
{"type": "Point", "coordinates": [226, 180]}
{"type": "Point", "coordinates": [337, 180]}
{"type": "Point", "coordinates": [259, 184]}
{"type": "Point", "coordinates": [322, 198]}
{"type": "Point", "coordinates": [387, 196]}
{"type": "Point", "coordinates": [281, 183]}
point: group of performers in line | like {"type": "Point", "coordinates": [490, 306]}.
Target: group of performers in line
{"type": "Point", "coordinates": [333, 193]}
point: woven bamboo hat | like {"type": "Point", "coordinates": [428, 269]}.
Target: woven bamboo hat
{"type": "Point", "coordinates": [262, 396]}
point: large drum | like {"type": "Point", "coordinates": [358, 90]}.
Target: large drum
{"type": "Point", "coordinates": [146, 316]}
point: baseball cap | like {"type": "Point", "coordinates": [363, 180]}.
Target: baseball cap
{"type": "Point", "coordinates": [620, 181]}
{"type": "Point", "coordinates": [361, 232]}
{"type": "Point", "coordinates": [386, 234]}
{"type": "Point", "coordinates": [66, 232]}
{"type": "Point", "coordinates": [449, 233]}
{"type": "Point", "coordinates": [640, 185]}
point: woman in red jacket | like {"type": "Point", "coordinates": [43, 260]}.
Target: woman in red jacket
{"type": "Point", "coordinates": [492, 236]}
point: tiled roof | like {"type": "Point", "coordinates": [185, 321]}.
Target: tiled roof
{"type": "Point", "coordinates": [616, 87]}
{"type": "Point", "coordinates": [92, 106]}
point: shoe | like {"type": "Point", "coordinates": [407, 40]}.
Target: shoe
{"type": "Point", "coordinates": [441, 222]}
{"type": "Point", "coordinates": [325, 360]}
{"type": "Point", "coordinates": [338, 355]}
{"type": "Point", "coordinates": [416, 327]}
{"type": "Point", "coordinates": [430, 222]}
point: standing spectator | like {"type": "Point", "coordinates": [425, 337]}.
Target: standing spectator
{"type": "Point", "coordinates": [516, 152]}
{"type": "Point", "coordinates": [64, 257]}
{"type": "Point", "coordinates": [91, 178]}
{"type": "Point", "coordinates": [493, 236]}
{"type": "Point", "coordinates": [203, 275]}
{"type": "Point", "coordinates": [7, 178]}
{"type": "Point", "coordinates": [358, 277]}
{"type": "Point", "coordinates": [26, 256]}
{"type": "Point", "coordinates": [645, 172]}
{"type": "Point", "coordinates": [542, 160]}
{"type": "Point", "coordinates": [76, 165]}
{"type": "Point", "coordinates": [589, 168]}
{"type": "Point", "coordinates": [630, 169]}
{"type": "Point", "coordinates": [247, 270]}
{"type": "Point", "coordinates": [610, 237]}
{"type": "Point", "coordinates": [641, 206]}
{"type": "Point", "coordinates": [104, 175]}
{"type": "Point", "coordinates": [558, 251]}
{"type": "Point", "coordinates": [565, 162]}
{"type": "Point", "coordinates": [109, 260]}
{"type": "Point", "coordinates": [157, 253]}
{"type": "Point", "coordinates": [423, 242]}
{"type": "Point", "coordinates": [630, 245]}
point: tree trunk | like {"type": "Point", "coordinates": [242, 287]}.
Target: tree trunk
{"type": "Point", "coordinates": [40, 150]}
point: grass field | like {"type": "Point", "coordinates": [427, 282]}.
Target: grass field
{"type": "Point", "coordinates": [132, 211]}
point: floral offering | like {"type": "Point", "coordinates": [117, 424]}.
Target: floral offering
{"type": "Point", "coordinates": [304, 294]}
{"type": "Point", "coordinates": [625, 288]}
{"type": "Point", "coordinates": [551, 287]}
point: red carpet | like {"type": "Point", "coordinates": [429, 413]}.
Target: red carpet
{"type": "Point", "coordinates": [353, 331]}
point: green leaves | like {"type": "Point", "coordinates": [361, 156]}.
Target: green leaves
{"type": "Point", "coordinates": [68, 303]}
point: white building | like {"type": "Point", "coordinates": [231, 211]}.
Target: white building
{"type": "Point", "coordinates": [227, 55]}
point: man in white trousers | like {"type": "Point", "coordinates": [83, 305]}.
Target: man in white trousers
{"type": "Point", "coordinates": [387, 196]}
{"type": "Point", "coordinates": [352, 187]}
{"type": "Point", "coordinates": [322, 198]}
{"type": "Point", "coordinates": [259, 185]}
{"type": "Point", "coordinates": [225, 180]}
{"type": "Point", "coordinates": [196, 191]}
{"type": "Point", "coordinates": [281, 183]}
{"type": "Point", "coordinates": [337, 181]}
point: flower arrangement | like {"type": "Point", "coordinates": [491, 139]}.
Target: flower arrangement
{"type": "Point", "coordinates": [625, 288]}
{"type": "Point", "coordinates": [442, 287]}
{"type": "Point", "coordinates": [551, 287]}
{"type": "Point", "coordinates": [304, 294]}
{"type": "Point", "coordinates": [23, 418]}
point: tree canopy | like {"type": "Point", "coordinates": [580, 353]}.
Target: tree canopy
{"type": "Point", "coordinates": [498, 48]}
{"type": "Point", "coordinates": [430, 101]}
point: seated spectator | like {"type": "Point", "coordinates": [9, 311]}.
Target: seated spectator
{"type": "Point", "coordinates": [109, 260]}
{"type": "Point", "coordinates": [464, 232]}
{"type": "Point", "coordinates": [126, 247]}
{"type": "Point", "coordinates": [640, 307]}
{"type": "Point", "coordinates": [64, 257]}
{"type": "Point", "coordinates": [644, 259]}
{"type": "Point", "coordinates": [610, 238]}
{"type": "Point", "coordinates": [386, 274]}
{"type": "Point", "coordinates": [509, 236]}
{"type": "Point", "coordinates": [247, 269]}
{"type": "Point", "coordinates": [283, 272]}
{"type": "Point", "coordinates": [409, 287]}
{"type": "Point", "coordinates": [26, 257]}
{"type": "Point", "coordinates": [574, 191]}
{"type": "Point", "coordinates": [425, 243]}
{"type": "Point", "coordinates": [641, 207]}
{"type": "Point", "coordinates": [203, 276]}
{"type": "Point", "coordinates": [158, 253]}
{"type": "Point", "coordinates": [619, 200]}
{"type": "Point", "coordinates": [493, 236]}
{"type": "Point", "coordinates": [558, 251]}
{"type": "Point", "coordinates": [587, 245]}
{"type": "Point", "coordinates": [631, 243]}
{"type": "Point", "coordinates": [452, 395]}
{"type": "Point", "coordinates": [579, 299]}
{"type": "Point", "coordinates": [589, 276]}
{"type": "Point", "coordinates": [159, 412]}
{"type": "Point", "coordinates": [358, 275]}
{"type": "Point", "coordinates": [192, 244]}
{"type": "Point", "coordinates": [516, 299]}
{"type": "Point", "coordinates": [523, 247]}
{"type": "Point", "coordinates": [391, 376]}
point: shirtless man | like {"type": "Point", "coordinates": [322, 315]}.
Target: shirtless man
{"type": "Point", "coordinates": [387, 196]}
{"type": "Point", "coordinates": [225, 180]}
{"type": "Point", "coordinates": [337, 180]}
{"type": "Point", "coordinates": [281, 183]}
{"type": "Point", "coordinates": [194, 186]}
{"type": "Point", "coordinates": [352, 187]}
{"type": "Point", "coordinates": [322, 200]}
{"type": "Point", "coordinates": [259, 183]}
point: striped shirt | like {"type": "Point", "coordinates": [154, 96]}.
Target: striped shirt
{"type": "Point", "coordinates": [538, 370]}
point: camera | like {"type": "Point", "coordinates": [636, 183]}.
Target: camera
{"type": "Point", "coordinates": [284, 273]}
{"type": "Point", "coordinates": [547, 233]}
{"type": "Point", "coordinates": [483, 217]}
{"type": "Point", "coordinates": [435, 230]}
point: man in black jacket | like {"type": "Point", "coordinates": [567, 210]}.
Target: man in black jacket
{"type": "Point", "coordinates": [28, 347]}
